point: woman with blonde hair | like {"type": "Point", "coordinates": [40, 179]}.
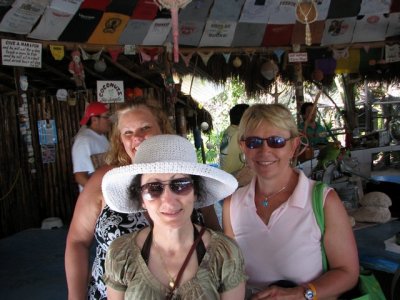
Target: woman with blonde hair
{"type": "Point", "coordinates": [273, 222]}
{"type": "Point", "coordinates": [134, 123]}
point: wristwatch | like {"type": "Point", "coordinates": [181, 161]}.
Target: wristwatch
{"type": "Point", "coordinates": [308, 294]}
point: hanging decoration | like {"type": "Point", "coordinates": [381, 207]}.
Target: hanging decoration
{"type": "Point", "coordinates": [130, 49]}
{"type": "Point", "coordinates": [23, 83]}
{"type": "Point", "coordinates": [205, 56]}
{"type": "Point", "coordinates": [94, 56]}
{"type": "Point", "coordinates": [186, 58]}
{"type": "Point", "coordinates": [114, 53]}
{"type": "Point", "coordinates": [62, 94]}
{"type": "Point", "coordinates": [100, 65]}
{"type": "Point", "coordinates": [57, 51]}
{"type": "Point", "coordinates": [76, 69]}
{"type": "Point", "coordinates": [174, 6]}
{"type": "Point", "coordinates": [226, 56]}
{"type": "Point", "coordinates": [132, 93]}
{"type": "Point", "coordinates": [279, 53]}
{"type": "Point", "coordinates": [269, 69]}
{"type": "Point", "coordinates": [148, 54]}
{"type": "Point", "coordinates": [306, 13]}
{"type": "Point", "coordinates": [237, 62]}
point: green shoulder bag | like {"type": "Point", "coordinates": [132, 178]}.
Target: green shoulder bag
{"type": "Point", "coordinates": [368, 287]}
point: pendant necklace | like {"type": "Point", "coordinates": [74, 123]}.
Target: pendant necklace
{"type": "Point", "coordinates": [266, 200]}
{"type": "Point", "coordinates": [171, 282]}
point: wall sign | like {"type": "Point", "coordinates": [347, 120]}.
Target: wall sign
{"type": "Point", "coordinates": [298, 57]}
{"type": "Point", "coordinates": [21, 53]}
{"type": "Point", "coordinates": [110, 91]}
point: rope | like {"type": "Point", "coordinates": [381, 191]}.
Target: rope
{"type": "Point", "coordinates": [12, 186]}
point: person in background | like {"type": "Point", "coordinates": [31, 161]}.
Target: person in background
{"type": "Point", "coordinates": [134, 123]}
{"type": "Point", "coordinates": [316, 133]}
{"type": "Point", "coordinates": [90, 140]}
{"type": "Point", "coordinates": [229, 157]}
{"type": "Point", "coordinates": [174, 258]}
{"type": "Point", "coordinates": [273, 222]}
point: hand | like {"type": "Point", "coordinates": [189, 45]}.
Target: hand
{"type": "Point", "coordinates": [279, 293]}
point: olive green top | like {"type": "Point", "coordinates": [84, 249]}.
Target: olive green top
{"type": "Point", "coordinates": [221, 269]}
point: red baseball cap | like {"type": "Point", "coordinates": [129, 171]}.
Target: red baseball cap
{"type": "Point", "coordinates": [93, 109]}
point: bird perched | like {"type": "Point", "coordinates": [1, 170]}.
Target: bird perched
{"type": "Point", "coordinates": [328, 155]}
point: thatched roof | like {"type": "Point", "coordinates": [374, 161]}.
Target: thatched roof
{"type": "Point", "coordinates": [254, 32]}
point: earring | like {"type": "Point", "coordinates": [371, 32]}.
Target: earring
{"type": "Point", "coordinates": [242, 158]}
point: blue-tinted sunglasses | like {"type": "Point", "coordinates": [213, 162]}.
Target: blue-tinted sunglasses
{"type": "Point", "coordinates": [254, 142]}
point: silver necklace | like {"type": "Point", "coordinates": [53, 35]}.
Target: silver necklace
{"type": "Point", "coordinates": [266, 200]}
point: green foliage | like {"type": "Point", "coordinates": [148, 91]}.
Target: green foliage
{"type": "Point", "coordinates": [211, 147]}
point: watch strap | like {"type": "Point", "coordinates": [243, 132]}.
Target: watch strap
{"type": "Point", "coordinates": [310, 289]}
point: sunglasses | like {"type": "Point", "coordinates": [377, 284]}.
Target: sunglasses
{"type": "Point", "coordinates": [254, 142]}
{"type": "Point", "coordinates": [154, 190]}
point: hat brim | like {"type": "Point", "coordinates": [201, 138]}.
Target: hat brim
{"type": "Point", "coordinates": [217, 183]}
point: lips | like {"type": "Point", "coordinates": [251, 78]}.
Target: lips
{"type": "Point", "coordinates": [265, 163]}
{"type": "Point", "coordinates": [171, 213]}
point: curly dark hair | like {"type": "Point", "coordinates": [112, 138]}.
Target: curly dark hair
{"type": "Point", "coordinates": [134, 192]}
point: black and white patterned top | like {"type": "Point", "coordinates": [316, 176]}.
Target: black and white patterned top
{"type": "Point", "coordinates": [109, 226]}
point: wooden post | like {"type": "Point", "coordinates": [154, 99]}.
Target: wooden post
{"type": "Point", "coordinates": [350, 107]}
{"type": "Point", "coordinates": [299, 89]}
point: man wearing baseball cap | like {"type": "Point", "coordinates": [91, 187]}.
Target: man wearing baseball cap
{"type": "Point", "coordinates": [90, 140]}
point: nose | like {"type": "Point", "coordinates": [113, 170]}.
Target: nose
{"type": "Point", "coordinates": [138, 137]}
{"type": "Point", "coordinates": [167, 195]}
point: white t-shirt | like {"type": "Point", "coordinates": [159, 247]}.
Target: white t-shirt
{"type": "Point", "coordinates": [87, 142]}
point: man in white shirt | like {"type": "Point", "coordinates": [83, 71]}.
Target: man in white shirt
{"type": "Point", "coordinates": [91, 139]}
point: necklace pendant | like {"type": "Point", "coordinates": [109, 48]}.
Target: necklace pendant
{"type": "Point", "coordinates": [265, 202]}
{"type": "Point", "coordinates": [171, 284]}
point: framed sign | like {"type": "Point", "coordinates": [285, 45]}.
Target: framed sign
{"type": "Point", "coordinates": [21, 53]}
{"type": "Point", "coordinates": [110, 91]}
{"type": "Point", "coordinates": [298, 57]}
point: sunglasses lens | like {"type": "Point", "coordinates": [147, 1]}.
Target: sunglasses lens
{"type": "Point", "coordinates": [253, 142]}
{"type": "Point", "coordinates": [152, 190]}
{"type": "Point", "coordinates": [276, 141]}
{"type": "Point", "coordinates": [181, 186]}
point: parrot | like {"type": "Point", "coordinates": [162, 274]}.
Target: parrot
{"type": "Point", "coordinates": [327, 155]}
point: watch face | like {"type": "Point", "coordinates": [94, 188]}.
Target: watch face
{"type": "Point", "coordinates": [308, 294]}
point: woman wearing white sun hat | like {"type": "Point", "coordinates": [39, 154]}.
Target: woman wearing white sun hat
{"type": "Point", "coordinates": [159, 262]}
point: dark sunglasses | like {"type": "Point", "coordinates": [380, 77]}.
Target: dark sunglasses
{"type": "Point", "coordinates": [254, 142]}
{"type": "Point", "coordinates": [154, 190]}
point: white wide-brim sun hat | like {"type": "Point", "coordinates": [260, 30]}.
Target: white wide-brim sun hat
{"type": "Point", "coordinates": [161, 154]}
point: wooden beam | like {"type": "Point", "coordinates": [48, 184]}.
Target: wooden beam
{"type": "Point", "coordinates": [237, 50]}
{"type": "Point", "coordinates": [56, 71]}
{"type": "Point", "coordinates": [129, 72]}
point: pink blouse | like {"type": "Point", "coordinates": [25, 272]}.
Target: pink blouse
{"type": "Point", "coordinates": [288, 248]}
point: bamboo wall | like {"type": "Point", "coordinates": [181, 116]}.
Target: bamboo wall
{"type": "Point", "coordinates": [30, 190]}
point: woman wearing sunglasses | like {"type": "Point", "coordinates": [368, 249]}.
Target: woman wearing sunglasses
{"type": "Point", "coordinates": [272, 217]}
{"type": "Point", "coordinates": [174, 258]}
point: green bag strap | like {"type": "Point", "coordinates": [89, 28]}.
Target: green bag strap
{"type": "Point", "coordinates": [395, 282]}
{"type": "Point", "coordinates": [318, 208]}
